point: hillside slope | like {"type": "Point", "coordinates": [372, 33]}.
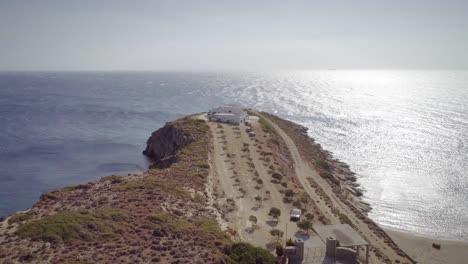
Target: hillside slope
{"type": "Point", "coordinates": [159, 216]}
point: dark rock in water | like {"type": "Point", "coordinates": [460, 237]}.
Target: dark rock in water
{"type": "Point", "coordinates": [164, 143]}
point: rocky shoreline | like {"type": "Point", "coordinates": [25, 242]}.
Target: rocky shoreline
{"type": "Point", "coordinates": [177, 191]}
{"type": "Point", "coordinates": [336, 171]}
{"type": "Point", "coordinates": [341, 171]}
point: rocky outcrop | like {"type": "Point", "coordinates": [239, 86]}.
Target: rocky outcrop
{"type": "Point", "coordinates": [163, 145]}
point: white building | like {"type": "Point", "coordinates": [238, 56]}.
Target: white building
{"type": "Point", "coordinates": [230, 114]}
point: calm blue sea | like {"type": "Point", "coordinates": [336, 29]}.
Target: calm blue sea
{"type": "Point", "coordinates": [405, 133]}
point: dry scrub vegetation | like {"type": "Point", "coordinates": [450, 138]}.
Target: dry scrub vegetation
{"type": "Point", "coordinates": [159, 216]}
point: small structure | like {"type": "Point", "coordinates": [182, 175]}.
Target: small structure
{"type": "Point", "coordinates": [230, 114]}
{"type": "Point", "coordinates": [342, 242]}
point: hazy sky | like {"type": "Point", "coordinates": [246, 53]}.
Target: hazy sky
{"type": "Point", "coordinates": [232, 35]}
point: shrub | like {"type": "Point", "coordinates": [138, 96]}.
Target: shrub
{"type": "Point", "coordinates": [345, 219]}
{"type": "Point", "coordinates": [81, 186]}
{"type": "Point", "coordinates": [323, 164]}
{"type": "Point", "coordinates": [290, 242]}
{"type": "Point", "coordinates": [289, 193]}
{"type": "Point", "coordinates": [259, 181]}
{"type": "Point", "coordinates": [274, 212]}
{"type": "Point", "coordinates": [305, 225]}
{"type": "Point", "coordinates": [266, 127]}
{"type": "Point", "coordinates": [70, 225]}
{"type": "Point", "coordinates": [277, 176]}
{"type": "Point", "coordinates": [277, 233]}
{"type": "Point", "coordinates": [253, 219]}
{"type": "Point", "coordinates": [202, 164]}
{"type": "Point", "coordinates": [114, 179]}
{"type": "Point", "coordinates": [244, 253]}
{"type": "Point", "coordinates": [19, 217]}
{"type": "Point", "coordinates": [49, 196]}
{"type": "Point", "coordinates": [297, 203]}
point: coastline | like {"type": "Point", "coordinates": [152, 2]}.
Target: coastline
{"type": "Point", "coordinates": [416, 246]}
{"type": "Point", "coordinates": [420, 247]}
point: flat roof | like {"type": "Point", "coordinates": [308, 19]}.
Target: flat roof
{"type": "Point", "coordinates": [225, 114]}
{"type": "Point", "coordinates": [344, 233]}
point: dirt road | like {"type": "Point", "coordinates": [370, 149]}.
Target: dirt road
{"type": "Point", "coordinates": [245, 188]}
{"type": "Point", "coordinates": [303, 171]}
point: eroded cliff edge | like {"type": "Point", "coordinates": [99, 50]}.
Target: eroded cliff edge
{"type": "Point", "coordinates": [159, 216]}
{"type": "Point", "coordinates": [163, 144]}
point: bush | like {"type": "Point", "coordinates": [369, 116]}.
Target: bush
{"type": "Point", "coordinates": [259, 181]}
{"type": "Point", "coordinates": [323, 164]}
{"type": "Point", "coordinates": [19, 217]}
{"type": "Point", "coordinates": [345, 219]}
{"type": "Point", "coordinates": [289, 193]}
{"type": "Point", "coordinates": [202, 164]}
{"type": "Point", "coordinates": [70, 225]}
{"type": "Point", "coordinates": [329, 176]}
{"type": "Point", "coordinates": [277, 176]}
{"type": "Point", "coordinates": [49, 196]}
{"type": "Point", "coordinates": [253, 219]}
{"type": "Point", "coordinates": [297, 204]}
{"type": "Point", "coordinates": [309, 216]}
{"type": "Point", "coordinates": [290, 242]}
{"type": "Point", "coordinates": [274, 212]}
{"type": "Point", "coordinates": [276, 232]}
{"type": "Point", "coordinates": [305, 225]}
{"type": "Point", "coordinates": [244, 253]}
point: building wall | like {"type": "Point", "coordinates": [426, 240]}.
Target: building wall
{"type": "Point", "coordinates": [227, 109]}
{"type": "Point", "coordinates": [232, 119]}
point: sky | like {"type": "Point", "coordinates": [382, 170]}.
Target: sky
{"type": "Point", "coordinates": [232, 35]}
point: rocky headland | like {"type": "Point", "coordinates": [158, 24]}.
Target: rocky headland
{"type": "Point", "coordinates": [159, 216]}
{"type": "Point", "coordinates": [211, 187]}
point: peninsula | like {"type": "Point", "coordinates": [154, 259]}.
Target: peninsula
{"type": "Point", "coordinates": [227, 186]}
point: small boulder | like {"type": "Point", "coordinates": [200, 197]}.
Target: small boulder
{"type": "Point", "coordinates": [436, 246]}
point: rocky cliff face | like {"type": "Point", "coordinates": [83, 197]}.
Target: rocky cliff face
{"type": "Point", "coordinates": [163, 145]}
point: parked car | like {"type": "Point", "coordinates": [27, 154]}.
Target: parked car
{"type": "Point", "coordinates": [295, 214]}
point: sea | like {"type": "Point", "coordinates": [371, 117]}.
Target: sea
{"type": "Point", "coordinates": [404, 133]}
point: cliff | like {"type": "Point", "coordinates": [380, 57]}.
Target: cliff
{"type": "Point", "coordinates": [159, 216]}
{"type": "Point", "coordinates": [163, 144]}
{"type": "Point", "coordinates": [210, 184]}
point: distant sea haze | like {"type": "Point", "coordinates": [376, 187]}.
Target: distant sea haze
{"type": "Point", "coordinates": [405, 133]}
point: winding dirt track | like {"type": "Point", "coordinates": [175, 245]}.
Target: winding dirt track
{"type": "Point", "coordinates": [303, 171]}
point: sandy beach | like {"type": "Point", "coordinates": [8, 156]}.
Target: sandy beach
{"type": "Point", "coordinates": [420, 248]}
